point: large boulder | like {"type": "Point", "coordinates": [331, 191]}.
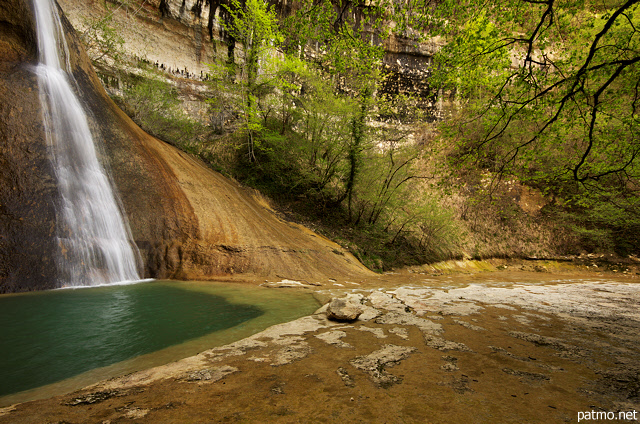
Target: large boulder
{"type": "Point", "coordinates": [347, 308]}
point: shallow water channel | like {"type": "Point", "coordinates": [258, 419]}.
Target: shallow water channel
{"type": "Point", "coordinates": [60, 340]}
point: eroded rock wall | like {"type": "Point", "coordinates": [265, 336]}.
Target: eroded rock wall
{"type": "Point", "coordinates": [184, 36]}
{"type": "Point", "coordinates": [188, 221]}
{"type": "Point", "coordinates": [175, 34]}
{"type": "Point", "coordinates": [27, 181]}
{"type": "Point", "coordinates": [408, 65]}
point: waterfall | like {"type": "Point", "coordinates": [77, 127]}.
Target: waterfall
{"type": "Point", "coordinates": [93, 237]}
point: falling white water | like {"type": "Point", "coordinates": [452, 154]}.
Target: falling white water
{"type": "Point", "coordinates": [93, 237]}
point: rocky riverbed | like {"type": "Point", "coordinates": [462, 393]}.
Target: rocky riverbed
{"type": "Point", "coordinates": [502, 347]}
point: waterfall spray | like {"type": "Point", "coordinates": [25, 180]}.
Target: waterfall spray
{"type": "Point", "coordinates": [94, 240]}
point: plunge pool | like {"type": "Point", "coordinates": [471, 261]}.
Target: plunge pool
{"type": "Point", "coordinates": [61, 340]}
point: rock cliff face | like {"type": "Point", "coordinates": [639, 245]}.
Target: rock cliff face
{"type": "Point", "coordinates": [173, 33]}
{"type": "Point", "coordinates": [188, 221]}
{"type": "Point", "coordinates": [27, 183]}
{"type": "Point", "coordinates": [184, 36]}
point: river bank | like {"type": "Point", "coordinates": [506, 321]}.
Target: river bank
{"type": "Point", "coordinates": [501, 346]}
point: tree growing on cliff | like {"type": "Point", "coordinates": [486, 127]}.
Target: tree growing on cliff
{"type": "Point", "coordinates": [307, 112]}
{"type": "Point", "coordinates": [339, 40]}
{"type": "Point", "coordinates": [254, 25]}
{"type": "Point", "coordinates": [550, 91]}
{"type": "Point", "coordinates": [346, 58]}
{"type": "Point", "coordinates": [101, 34]}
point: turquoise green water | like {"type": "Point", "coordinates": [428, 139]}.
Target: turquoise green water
{"type": "Point", "coordinates": [53, 336]}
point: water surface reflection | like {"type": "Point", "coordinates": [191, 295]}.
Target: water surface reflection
{"type": "Point", "coordinates": [51, 336]}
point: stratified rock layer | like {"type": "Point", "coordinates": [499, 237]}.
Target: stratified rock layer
{"type": "Point", "coordinates": [27, 189]}
{"type": "Point", "coordinates": [184, 36]}
{"type": "Point", "coordinates": [188, 221]}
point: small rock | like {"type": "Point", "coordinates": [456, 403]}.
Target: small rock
{"type": "Point", "coordinates": [378, 332]}
{"type": "Point", "coordinates": [289, 354]}
{"type": "Point", "coordinates": [211, 374]}
{"type": "Point", "coordinates": [400, 332]}
{"type": "Point", "coordinates": [451, 363]}
{"type": "Point", "coordinates": [531, 376]}
{"type": "Point", "coordinates": [468, 325]}
{"type": "Point", "coordinates": [346, 378]}
{"type": "Point", "coordinates": [449, 367]}
{"type": "Point", "coordinates": [375, 363]}
{"type": "Point", "coordinates": [333, 338]}
{"type": "Point", "coordinates": [369, 313]}
{"type": "Point", "coordinates": [136, 413]}
{"type": "Point", "coordinates": [459, 385]}
{"type": "Point", "coordinates": [445, 345]}
{"type": "Point", "coordinates": [403, 318]}
{"type": "Point", "coordinates": [95, 397]}
{"type": "Point", "coordinates": [278, 389]}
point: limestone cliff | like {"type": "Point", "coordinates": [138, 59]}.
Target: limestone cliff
{"type": "Point", "coordinates": [184, 36]}
{"type": "Point", "coordinates": [27, 183]}
{"type": "Point", "coordinates": [188, 221]}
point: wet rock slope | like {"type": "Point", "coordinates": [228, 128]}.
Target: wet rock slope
{"type": "Point", "coordinates": [188, 221]}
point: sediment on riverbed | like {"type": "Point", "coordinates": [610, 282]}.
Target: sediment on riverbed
{"type": "Point", "coordinates": [502, 346]}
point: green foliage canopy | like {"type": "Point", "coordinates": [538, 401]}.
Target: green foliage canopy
{"type": "Point", "coordinates": [550, 91]}
{"type": "Point", "coordinates": [309, 96]}
{"type": "Point", "coordinates": [565, 72]}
